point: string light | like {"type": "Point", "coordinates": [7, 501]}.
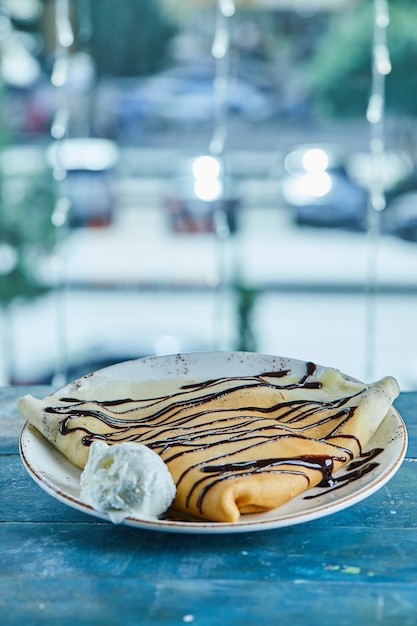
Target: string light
{"type": "Point", "coordinates": [375, 114]}
{"type": "Point", "coordinates": [220, 51]}
{"type": "Point", "coordinates": [59, 130]}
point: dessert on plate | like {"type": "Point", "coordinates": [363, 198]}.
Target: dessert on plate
{"type": "Point", "coordinates": [233, 444]}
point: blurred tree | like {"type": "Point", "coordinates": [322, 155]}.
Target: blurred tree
{"type": "Point", "coordinates": [339, 69]}
{"type": "Point", "coordinates": [129, 37]}
{"type": "Point", "coordinates": [26, 232]}
{"type": "Point", "coordinates": [246, 299]}
{"type": "Point", "coordinates": [26, 204]}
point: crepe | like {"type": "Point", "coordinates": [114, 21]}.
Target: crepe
{"type": "Point", "coordinates": [234, 444]}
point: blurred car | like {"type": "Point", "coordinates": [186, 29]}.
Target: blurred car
{"type": "Point", "coordinates": [400, 217]}
{"type": "Point", "coordinates": [182, 96]}
{"type": "Point", "coordinates": [202, 199]}
{"type": "Point", "coordinates": [319, 190]}
{"type": "Point", "coordinates": [88, 165]}
{"type": "Point", "coordinates": [186, 99]}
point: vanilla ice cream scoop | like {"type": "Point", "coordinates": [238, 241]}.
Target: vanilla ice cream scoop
{"type": "Point", "coordinates": [126, 479]}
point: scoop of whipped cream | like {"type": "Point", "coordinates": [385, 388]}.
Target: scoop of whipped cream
{"type": "Point", "coordinates": [126, 479]}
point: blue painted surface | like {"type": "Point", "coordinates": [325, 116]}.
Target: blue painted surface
{"type": "Point", "coordinates": [60, 566]}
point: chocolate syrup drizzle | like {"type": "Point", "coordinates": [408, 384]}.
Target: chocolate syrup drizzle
{"type": "Point", "coordinates": [171, 425]}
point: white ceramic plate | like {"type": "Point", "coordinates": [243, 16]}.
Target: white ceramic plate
{"type": "Point", "coordinates": [60, 478]}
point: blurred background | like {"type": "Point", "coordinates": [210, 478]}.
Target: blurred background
{"type": "Point", "coordinates": [182, 175]}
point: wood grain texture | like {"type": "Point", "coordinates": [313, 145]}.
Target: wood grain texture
{"type": "Point", "coordinates": [99, 602]}
{"type": "Point", "coordinates": [58, 565]}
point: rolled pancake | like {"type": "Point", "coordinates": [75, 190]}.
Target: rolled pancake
{"type": "Point", "coordinates": [233, 445]}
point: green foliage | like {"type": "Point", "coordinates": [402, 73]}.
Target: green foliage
{"type": "Point", "coordinates": [402, 43]}
{"type": "Point", "coordinates": [246, 298]}
{"type": "Point", "coordinates": [27, 200]}
{"type": "Point", "coordinates": [339, 71]}
{"type": "Point", "coordinates": [26, 232]}
{"type": "Point", "coordinates": [129, 37]}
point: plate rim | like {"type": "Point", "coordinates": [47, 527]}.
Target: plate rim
{"type": "Point", "coordinates": [245, 523]}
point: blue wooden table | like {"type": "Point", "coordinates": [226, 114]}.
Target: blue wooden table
{"type": "Point", "coordinates": [62, 567]}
